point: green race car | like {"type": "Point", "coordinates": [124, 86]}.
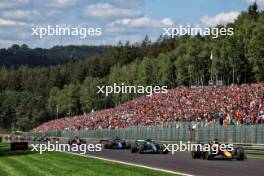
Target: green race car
{"type": "Point", "coordinates": [148, 146]}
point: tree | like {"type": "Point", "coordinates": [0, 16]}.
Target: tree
{"type": "Point", "coordinates": [165, 71]}
{"type": "Point", "coordinates": [89, 98]}
{"type": "Point", "coordinates": [253, 9]}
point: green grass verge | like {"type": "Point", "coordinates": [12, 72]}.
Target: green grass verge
{"type": "Point", "coordinates": [27, 163]}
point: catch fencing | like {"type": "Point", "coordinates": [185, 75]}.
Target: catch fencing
{"type": "Point", "coordinates": [176, 131]}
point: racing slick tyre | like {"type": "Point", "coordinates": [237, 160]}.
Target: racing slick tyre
{"type": "Point", "coordinates": [106, 146]}
{"type": "Point", "coordinates": [110, 145]}
{"type": "Point", "coordinates": [240, 154]}
{"type": "Point", "coordinates": [208, 156]}
{"type": "Point", "coordinates": [163, 150]}
{"type": "Point", "coordinates": [196, 154]}
{"type": "Point", "coordinates": [141, 149]}
{"type": "Point", "coordinates": [134, 148]}
{"type": "Point", "coordinates": [128, 145]}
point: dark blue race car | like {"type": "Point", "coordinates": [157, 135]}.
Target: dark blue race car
{"type": "Point", "coordinates": [117, 144]}
{"type": "Point", "coordinates": [148, 146]}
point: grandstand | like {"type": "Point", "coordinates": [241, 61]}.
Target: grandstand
{"type": "Point", "coordinates": [232, 105]}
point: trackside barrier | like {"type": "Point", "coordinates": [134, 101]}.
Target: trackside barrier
{"type": "Point", "coordinates": [253, 148]}
{"type": "Point", "coordinates": [175, 131]}
{"type": "Point", "coordinates": [251, 137]}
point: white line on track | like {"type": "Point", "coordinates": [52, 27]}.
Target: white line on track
{"type": "Point", "coordinates": [131, 164]}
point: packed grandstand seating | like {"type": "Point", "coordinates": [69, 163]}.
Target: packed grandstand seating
{"type": "Point", "coordinates": [232, 105]}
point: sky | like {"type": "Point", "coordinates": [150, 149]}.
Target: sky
{"type": "Point", "coordinates": [118, 19]}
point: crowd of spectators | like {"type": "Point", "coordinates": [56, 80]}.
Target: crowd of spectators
{"type": "Point", "coordinates": [232, 105]}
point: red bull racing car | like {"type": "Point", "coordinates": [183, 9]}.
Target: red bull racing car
{"type": "Point", "coordinates": [216, 153]}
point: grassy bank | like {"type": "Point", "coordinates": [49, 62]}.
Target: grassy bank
{"type": "Point", "coordinates": [27, 163]}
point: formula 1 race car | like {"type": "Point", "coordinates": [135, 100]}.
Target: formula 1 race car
{"type": "Point", "coordinates": [41, 139]}
{"type": "Point", "coordinates": [55, 139]}
{"type": "Point", "coordinates": [148, 146]}
{"type": "Point", "coordinates": [117, 144]}
{"type": "Point", "coordinates": [36, 139]}
{"type": "Point", "coordinates": [77, 141]}
{"type": "Point", "coordinates": [237, 153]}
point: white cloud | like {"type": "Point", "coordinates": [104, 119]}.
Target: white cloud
{"type": "Point", "coordinates": [13, 3]}
{"type": "Point", "coordinates": [58, 3]}
{"type": "Point", "coordinates": [167, 22]}
{"type": "Point", "coordinates": [29, 15]}
{"type": "Point", "coordinates": [108, 11]}
{"type": "Point", "coordinates": [4, 22]}
{"type": "Point", "coordinates": [221, 18]}
{"type": "Point", "coordinates": [6, 4]}
{"type": "Point", "coordinates": [14, 32]}
{"type": "Point", "coordinates": [144, 21]}
{"type": "Point", "coordinates": [21, 14]}
{"type": "Point", "coordinates": [65, 2]}
{"type": "Point", "coordinates": [128, 4]}
{"type": "Point", "coordinates": [54, 14]}
{"type": "Point", "coordinates": [134, 29]}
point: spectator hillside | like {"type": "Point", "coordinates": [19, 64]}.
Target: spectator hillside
{"type": "Point", "coordinates": [236, 104]}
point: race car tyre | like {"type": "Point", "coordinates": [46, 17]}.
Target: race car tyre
{"type": "Point", "coordinates": [110, 145]}
{"type": "Point", "coordinates": [208, 156]}
{"type": "Point", "coordinates": [128, 145]}
{"type": "Point", "coordinates": [141, 149]}
{"type": "Point", "coordinates": [196, 155]}
{"type": "Point", "coordinates": [83, 142]}
{"type": "Point", "coordinates": [106, 146]}
{"type": "Point", "coordinates": [134, 148]}
{"type": "Point", "coordinates": [163, 150]}
{"type": "Point", "coordinates": [240, 154]}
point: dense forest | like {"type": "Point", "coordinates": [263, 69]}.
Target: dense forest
{"type": "Point", "coordinates": [16, 55]}
{"type": "Point", "coordinates": [31, 96]}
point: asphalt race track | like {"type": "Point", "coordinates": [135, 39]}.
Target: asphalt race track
{"type": "Point", "coordinates": [183, 162]}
